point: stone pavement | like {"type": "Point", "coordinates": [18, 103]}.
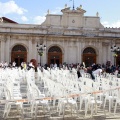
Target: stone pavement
{"type": "Point", "coordinates": [99, 116]}
{"type": "Point", "coordinates": [14, 115]}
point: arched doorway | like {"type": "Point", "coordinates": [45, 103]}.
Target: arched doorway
{"type": "Point", "coordinates": [89, 56]}
{"type": "Point", "coordinates": [118, 59]}
{"type": "Point", "coordinates": [54, 55]}
{"type": "Point", "coordinates": [19, 54]}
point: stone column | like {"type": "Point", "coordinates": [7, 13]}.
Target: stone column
{"type": "Point", "coordinates": [109, 54]}
{"type": "Point", "coordinates": [79, 52]}
{"type": "Point", "coordinates": [2, 50]}
{"type": "Point", "coordinates": [30, 50]}
{"type": "Point", "coordinates": [100, 54]}
{"type": "Point", "coordinates": [8, 50]}
{"type": "Point", "coordinates": [82, 46]}
{"type": "Point", "coordinates": [64, 53]}
{"type": "Point", "coordinates": [34, 50]}
{"type": "Point", "coordinates": [44, 57]}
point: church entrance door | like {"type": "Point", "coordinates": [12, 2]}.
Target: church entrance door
{"type": "Point", "coordinates": [89, 56]}
{"type": "Point", "coordinates": [54, 56]}
{"type": "Point", "coordinates": [19, 54]}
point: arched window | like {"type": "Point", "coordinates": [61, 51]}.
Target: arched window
{"type": "Point", "coordinates": [89, 50]}
{"type": "Point", "coordinates": [54, 49]}
{"type": "Point", "coordinates": [18, 48]}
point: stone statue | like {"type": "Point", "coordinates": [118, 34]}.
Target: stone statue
{"type": "Point", "coordinates": [80, 6]}
{"type": "Point", "coordinates": [65, 5]}
{"type": "Point", "coordinates": [48, 12]}
{"type": "Point", "coordinates": [97, 14]}
{"type": "Point", "coordinates": [1, 19]}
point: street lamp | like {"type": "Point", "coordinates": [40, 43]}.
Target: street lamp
{"type": "Point", "coordinates": [40, 49]}
{"type": "Point", "coordinates": [115, 50]}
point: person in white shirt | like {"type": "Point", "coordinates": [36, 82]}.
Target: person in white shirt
{"type": "Point", "coordinates": [14, 64]}
{"type": "Point", "coordinates": [5, 64]}
{"type": "Point", "coordinates": [55, 65]}
{"type": "Point", "coordinates": [31, 65]}
{"type": "Point", "coordinates": [97, 72]}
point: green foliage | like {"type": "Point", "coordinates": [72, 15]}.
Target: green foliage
{"type": "Point", "coordinates": [41, 53]}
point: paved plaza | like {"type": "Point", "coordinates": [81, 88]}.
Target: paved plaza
{"type": "Point", "coordinates": [100, 115]}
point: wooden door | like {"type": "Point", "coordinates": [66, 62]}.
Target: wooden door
{"type": "Point", "coordinates": [19, 57]}
{"type": "Point", "coordinates": [117, 60]}
{"type": "Point", "coordinates": [55, 58]}
{"type": "Point", "coordinates": [89, 56]}
{"type": "Point", "coordinates": [89, 59]}
{"type": "Point", "coordinates": [54, 55]}
{"type": "Point", "coordinates": [19, 54]}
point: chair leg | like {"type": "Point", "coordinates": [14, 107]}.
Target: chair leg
{"type": "Point", "coordinates": [86, 108]}
{"type": "Point", "coordinates": [115, 108]}
{"type": "Point", "coordinates": [104, 104]}
{"type": "Point", "coordinates": [22, 112]}
{"type": "Point", "coordinates": [36, 109]}
{"type": "Point", "coordinates": [76, 109]}
{"type": "Point", "coordinates": [8, 110]}
{"type": "Point", "coordinates": [60, 108]}
{"type": "Point", "coordinates": [64, 105]}
{"type": "Point", "coordinates": [81, 102]}
{"type": "Point", "coordinates": [5, 110]}
{"type": "Point", "coordinates": [71, 110]}
{"type": "Point", "coordinates": [32, 109]}
{"type": "Point", "coordinates": [110, 102]}
{"type": "Point", "coordinates": [48, 108]}
{"type": "Point", "coordinates": [92, 110]}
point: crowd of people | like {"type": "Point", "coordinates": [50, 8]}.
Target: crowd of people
{"type": "Point", "coordinates": [23, 65]}
{"type": "Point", "coordinates": [92, 69]}
{"type": "Point", "coordinates": [98, 69]}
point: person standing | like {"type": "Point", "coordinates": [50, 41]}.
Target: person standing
{"type": "Point", "coordinates": [78, 72]}
{"type": "Point", "coordinates": [89, 70]}
{"type": "Point", "coordinates": [14, 64]}
{"type": "Point", "coordinates": [55, 65]}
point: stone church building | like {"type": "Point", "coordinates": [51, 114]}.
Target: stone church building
{"type": "Point", "coordinates": [70, 37]}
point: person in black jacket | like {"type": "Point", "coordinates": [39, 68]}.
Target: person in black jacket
{"type": "Point", "coordinates": [90, 71]}
{"type": "Point", "coordinates": [78, 73]}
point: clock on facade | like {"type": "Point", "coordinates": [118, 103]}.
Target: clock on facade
{"type": "Point", "coordinates": [73, 21]}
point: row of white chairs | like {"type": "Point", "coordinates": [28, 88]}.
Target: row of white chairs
{"type": "Point", "coordinates": [62, 86]}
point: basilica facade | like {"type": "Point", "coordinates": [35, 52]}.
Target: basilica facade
{"type": "Point", "coordinates": [70, 37]}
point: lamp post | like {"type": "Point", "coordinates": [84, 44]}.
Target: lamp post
{"type": "Point", "coordinates": [115, 51]}
{"type": "Point", "coordinates": [40, 49]}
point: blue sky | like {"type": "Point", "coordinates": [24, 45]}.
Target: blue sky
{"type": "Point", "coordinates": [34, 11]}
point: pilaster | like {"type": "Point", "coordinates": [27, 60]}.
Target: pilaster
{"type": "Point", "coordinates": [7, 49]}
{"type": "Point", "coordinates": [2, 50]}
{"type": "Point", "coordinates": [30, 52]}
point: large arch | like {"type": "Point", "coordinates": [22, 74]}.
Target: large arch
{"type": "Point", "coordinates": [89, 56]}
{"type": "Point", "coordinates": [18, 54]}
{"type": "Point", "coordinates": [54, 55]}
